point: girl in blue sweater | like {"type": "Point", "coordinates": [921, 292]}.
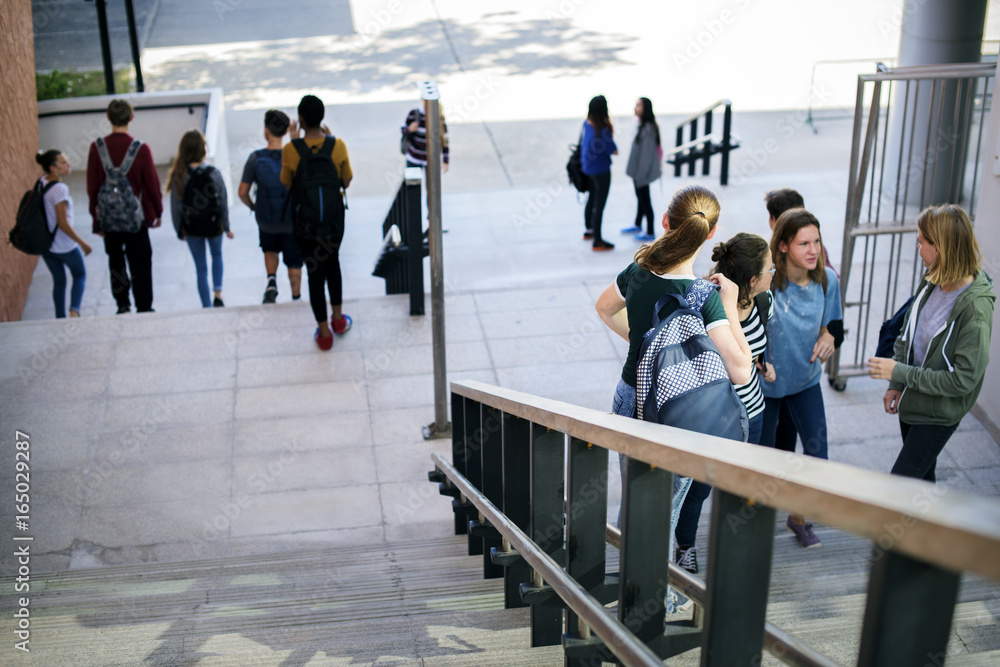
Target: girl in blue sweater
{"type": "Point", "coordinates": [596, 148]}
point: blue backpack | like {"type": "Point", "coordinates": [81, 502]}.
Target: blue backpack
{"type": "Point", "coordinates": [681, 379]}
{"type": "Point", "coordinates": [271, 209]}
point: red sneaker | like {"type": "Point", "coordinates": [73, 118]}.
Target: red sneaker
{"type": "Point", "coordinates": [342, 325]}
{"type": "Point", "coordinates": [324, 342]}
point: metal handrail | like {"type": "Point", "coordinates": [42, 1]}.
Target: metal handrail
{"type": "Point", "coordinates": [622, 643]}
{"type": "Point", "coordinates": [918, 72]}
{"type": "Point", "coordinates": [710, 107]}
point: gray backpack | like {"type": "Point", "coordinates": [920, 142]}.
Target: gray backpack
{"type": "Point", "coordinates": [118, 209]}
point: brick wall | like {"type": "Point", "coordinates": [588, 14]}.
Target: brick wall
{"type": "Point", "coordinates": [18, 146]}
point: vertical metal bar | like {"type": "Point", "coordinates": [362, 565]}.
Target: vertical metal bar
{"type": "Point", "coordinates": [492, 464]}
{"type": "Point", "coordinates": [473, 460]}
{"type": "Point", "coordinates": [908, 613]}
{"type": "Point", "coordinates": [707, 150]}
{"type": "Point", "coordinates": [727, 133]}
{"type": "Point", "coordinates": [647, 493]}
{"type": "Point", "coordinates": [692, 153]}
{"type": "Point", "coordinates": [979, 143]}
{"type": "Point", "coordinates": [414, 275]}
{"type": "Point", "coordinates": [547, 520]}
{"type": "Point", "coordinates": [429, 92]}
{"type": "Point", "coordinates": [677, 156]}
{"type": "Point", "coordinates": [739, 574]}
{"type": "Point", "coordinates": [516, 498]}
{"type": "Point", "coordinates": [102, 26]}
{"type": "Point", "coordinates": [896, 213]}
{"type": "Point", "coordinates": [459, 455]}
{"type": "Point", "coordinates": [134, 42]}
{"type": "Point", "coordinates": [586, 518]}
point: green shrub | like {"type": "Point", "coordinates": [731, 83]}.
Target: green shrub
{"type": "Point", "coordinates": [70, 83]}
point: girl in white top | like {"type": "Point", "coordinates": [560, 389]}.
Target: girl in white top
{"type": "Point", "coordinates": [65, 251]}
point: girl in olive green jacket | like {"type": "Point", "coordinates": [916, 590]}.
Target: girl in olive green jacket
{"type": "Point", "coordinates": [940, 357]}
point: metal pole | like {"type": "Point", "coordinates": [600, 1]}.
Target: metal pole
{"type": "Point", "coordinates": [440, 428]}
{"type": "Point", "coordinates": [102, 26]}
{"type": "Point", "coordinates": [134, 41]}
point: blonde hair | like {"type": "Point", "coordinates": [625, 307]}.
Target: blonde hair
{"type": "Point", "coordinates": [788, 225]}
{"type": "Point", "coordinates": [693, 213]}
{"type": "Point", "coordinates": [191, 149]}
{"type": "Point", "coordinates": [949, 229]}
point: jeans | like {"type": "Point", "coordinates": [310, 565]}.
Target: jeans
{"type": "Point", "coordinates": [196, 244]}
{"type": "Point", "coordinates": [921, 445]}
{"type": "Point", "coordinates": [322, 261]}
{"type": "Point", "coordinates": [687, 522]}
{"type": "Point", "coordinates": [136, 248]}
{"type": "Point", "coordinates": [645, 208]}
{"type": "Point", "coordinates": [596, 199]}
{"type": "Point", "coordinates": [58, 263]}
{"type": "Point", "coordinates": [807, 413]}
{"type": "Point", "coordinates": [624, 404]}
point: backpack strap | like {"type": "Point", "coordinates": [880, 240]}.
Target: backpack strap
{"type": "Point", "coordinates": [109, 167]}
{"type": "Point", "coordinates": [763, 302]}
{"type": "Point", "coordinates": [130, 154]}
{"type": "Point", "coordinates": [662, 303]}
{"type": "Point", "coordinates": [698, 293]}
{"type": "Point", "coordinates": [102, 152]}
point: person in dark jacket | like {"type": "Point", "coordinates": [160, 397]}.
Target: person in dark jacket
{"type": "Point", "coordinates": [596, 148]}
{"type": "Point", "coordinates": [940, 357]}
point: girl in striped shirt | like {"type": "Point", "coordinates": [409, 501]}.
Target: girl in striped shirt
{"type": "Point", "coordinates": [746, 260]}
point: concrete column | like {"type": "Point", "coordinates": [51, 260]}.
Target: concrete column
{"type": "Point", "coordinates": [934, 32]}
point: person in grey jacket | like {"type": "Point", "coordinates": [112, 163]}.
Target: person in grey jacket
{"type": "Point", "coordinates": [940, 357]}
{"type": "Point", "coordinates": [190, 162]}
{"type": "Point", "coordinates": [644, 167]}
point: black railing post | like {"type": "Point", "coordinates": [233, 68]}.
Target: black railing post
{"type": "Point", "coordinates": [547, 519]}
{"type": "Point", "coordinates": [727, 131]}
{"type": "Point", "coordinates": [692, 153]}
{"type": "Point", "coordinates": [473, 463]}
{"type": "Point", "coordinates": [491, 440]}
{"type": "Point", "coordinates": [414, 241]}
{"type": "Point", "coordinates": [646, 496]}
{"type": "Point", "coordinates": [516, 498]}
{"type": "Point", "coordinates": [706, 153]}
{"type": "Point", "coordinates": [677, 160]}
{"type": "Point", "coordinates": [134, 43]}
{"type": "Point", "coordinates": [908, 613]}
{"type": "Point", "coordinates": [741, 542]}
{"type": "Point", "coordinates": [586, 518]}
{"type": "Point", "coordinates": [459, 455]}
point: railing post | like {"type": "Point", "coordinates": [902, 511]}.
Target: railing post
{"type": "Point", "coordinates": [473, 462]}
{"type": "Point", "coordinates": [677, 157]}
{"type": "Point", "coordinates": [547, 518]}
{"type": "Point", "coordinates": [727, 132]}
{"type": "Point", "coordinates": [908, 613]}
{"type": "Point", "coordinates": [491, 440]}
{"type": "Point", "coordinates": [741, 543]}
{"type": "Point", "coordinates": [706, 153]}
{"type": "Point", "coordinates": [516, 499]}
{"type": "Point", "coordinates": [691, 152]}
{"type": "Point", "coordinates": [459, 455]}
{"type": "Point", "coordinates": [646, 497]}
{"type": "Point", "coordinates": [586, 518]}
{"type": "Point", "coordinates": [414, 239]}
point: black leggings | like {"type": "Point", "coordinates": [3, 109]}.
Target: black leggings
{"type": "Point", "coordinates": [322, 262]}
{"type": "Point", "coordinates": [645, 210]}
{"type": "Point", "coordinates": [598, 197]}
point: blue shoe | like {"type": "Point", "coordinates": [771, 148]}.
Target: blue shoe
{"type": "Point", "coordinates": [645, 237]}
{"type": "Point", "coordinates": [632, 229]}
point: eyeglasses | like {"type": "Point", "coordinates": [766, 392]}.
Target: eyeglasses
{"type": "Point", "coordinates": [771, 270]}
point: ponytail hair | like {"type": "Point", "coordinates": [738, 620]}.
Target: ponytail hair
{"type": "Point", "coordinates": [788, 225]}
{"type": "Point", "coordinates": [741, 259]}
{"type": "Point", "coordinates": [47, 159]}
{"type": "Point", "coordinates": [693, 213]}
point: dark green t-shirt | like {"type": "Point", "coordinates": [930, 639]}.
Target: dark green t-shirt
{"type": "Point", "coordinates": [641, 289]}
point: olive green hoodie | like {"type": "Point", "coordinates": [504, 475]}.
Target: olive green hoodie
{"type": "Point", "coordinates": [945, 388]}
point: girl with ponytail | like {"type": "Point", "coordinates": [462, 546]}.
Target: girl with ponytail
{"type": "Point", "coordinates": [666, 266]}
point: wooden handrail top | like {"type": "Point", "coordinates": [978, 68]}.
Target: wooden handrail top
{"type": "Point", "coordinates": [710, 107]}
{"type": "Point", "coordinates": [942, 526]}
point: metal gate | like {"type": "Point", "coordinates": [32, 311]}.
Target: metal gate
{"type": "Point", "coordinates": [919, 139]}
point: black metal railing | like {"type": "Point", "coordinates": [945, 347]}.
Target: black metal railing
{"type": "Point", "coordinates": [529, 480]}
{"type": "Point", "coordinates": [400, 260]}
{"type": "Point", "coordinates": [702, 144]}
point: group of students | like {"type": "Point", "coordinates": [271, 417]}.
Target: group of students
{"type": "Point", "coordinates": [200, 212]}
{"type": "Point", "coordinates": [597, 146]}
{"type": "Point", "coordinates": [776, 318]}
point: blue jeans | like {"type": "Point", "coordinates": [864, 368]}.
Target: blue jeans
{"type": "Point", "coordinates": [808, 414]}
{"type": "Point", "coordinates": [58, 263]}
{"type": "Point", "coordinates": [196, 244]}
{"type": "Point", "coordinates": [687, 522]}
{"type": "Point", "coordinates": [624, 404]}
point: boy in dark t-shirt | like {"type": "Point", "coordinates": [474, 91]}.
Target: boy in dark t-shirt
{"type": "Point", "coordinates": [263, 168]}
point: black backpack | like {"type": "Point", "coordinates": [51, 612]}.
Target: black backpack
{"type": "Point", "coordinates": [201, 204]}
{"type": "Point", "coordinates": [317, 203]}
{"type": "Point", "coordinates": [574, 169]}
{"type": "Point", "coordinates": [681, 379]}
{"type": "Point", "coordinates": [31, 230]}
{"type": "Point", "coordinates": [889, 331]}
